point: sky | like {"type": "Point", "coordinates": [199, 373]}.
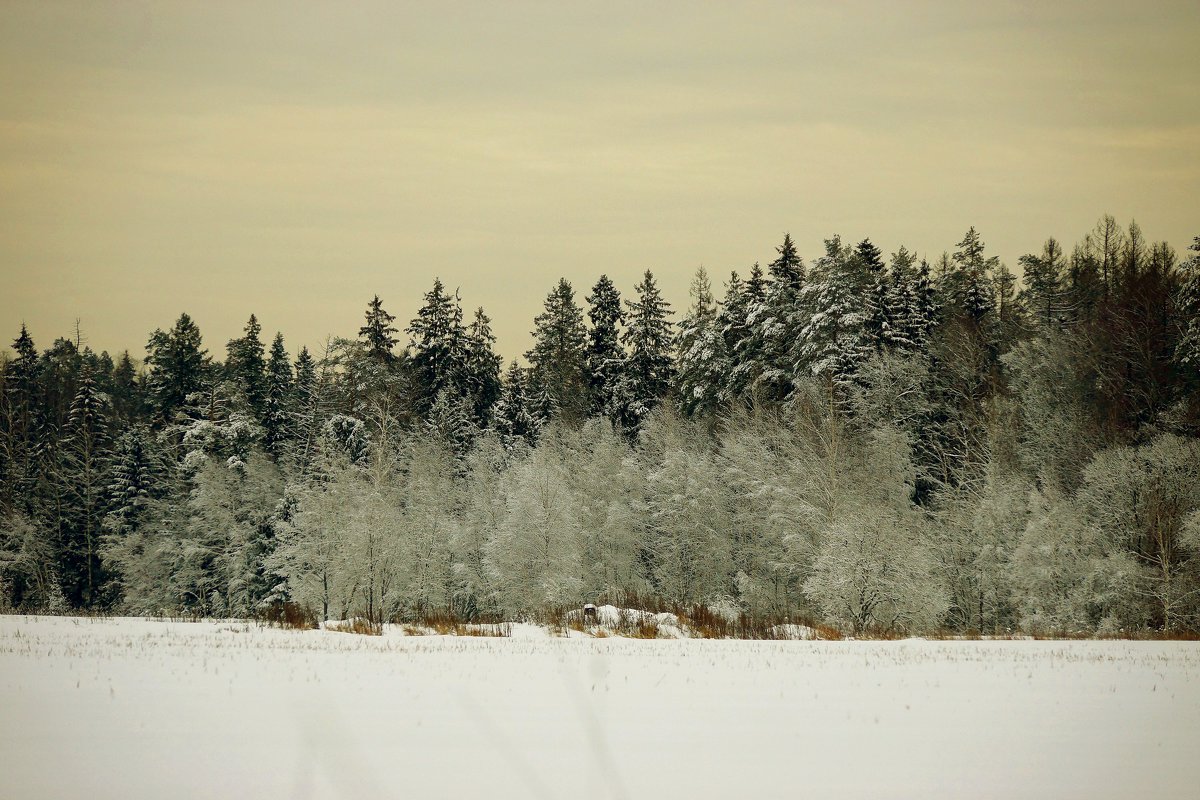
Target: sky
{"type": "Point", "coordinates": [294, 159]}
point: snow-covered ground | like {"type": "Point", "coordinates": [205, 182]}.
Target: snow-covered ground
{"type": "Point", "coordinates": [130, 708]}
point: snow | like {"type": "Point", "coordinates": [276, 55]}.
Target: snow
{"type": "Point", "coordinates": [131, 708]}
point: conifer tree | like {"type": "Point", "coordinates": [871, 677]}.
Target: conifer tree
{"type": "Point", "coordinates": [834, 341]}
{"type": "Point", "coordinates": [649, 340]}
{"type": "Point", "coordinates": [278, 411]}
{"type": "Point", "coordinates": [788, 267]}
{"type": "Point", "coordinates": [378, 333]}
{"type": "Point", "coordinates": [126, 392]}
{"type": "Point", "coordinates": [439, 347]}
{"type": "Point", "coordinates": [901, 300]}
{"type": "Point", "coordinates": [482, 369]}
{"type": "Point", "coordinates": [82, 476]}
{"type": "Point", "coordinates": [558, 357]}
{"type": "Point", "coordinates": [246, 366]}
{"type": "Point", "coordinates": [449, 421]}
{"type": "Point", "coordinates": [135, 478]}
{"type": "Point", "coordinates": [177, 368]}
{"type": "Point", "coordinates": [513, 419]}
{"type": "Point", "coordinates": [21, 403]}
{"type": "Point", "coordinates": [970, 287]}
{"type": "Point", "coordinates": [880, 323]}
{"type": "Point", "coordinates": [605, 358]}
{"type": "Point", "coordinates": [1045, 283]}
{"type": "Point", "coordinates": [702, 362]}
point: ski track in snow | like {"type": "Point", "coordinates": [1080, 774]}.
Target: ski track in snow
{"type": "Point", "coordinates": [132, 708]}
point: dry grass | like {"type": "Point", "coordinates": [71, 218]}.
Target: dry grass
{"type": "Point", "coordinates": [364, 627]}
{"type": "Point", "coordinates": [289, 615]}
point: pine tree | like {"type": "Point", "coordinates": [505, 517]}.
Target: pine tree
{"type": "Point", "coordinates": [558, 357]}
{"type": "Point", "coordinates": [439, 347]}
{"type": "Point", "coordinates": [605, 358]}
{"type": "Point", "coordinates": [378, 332]}
{"type": "Point", "coordinates": [278, 411]}
{"type": "Point", "coordinates": [246, 366]}
{"type": "Point", "coordinates": [482, 369]}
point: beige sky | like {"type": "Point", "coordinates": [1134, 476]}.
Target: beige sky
{"type": "Point", "coordinates": [294, 159]}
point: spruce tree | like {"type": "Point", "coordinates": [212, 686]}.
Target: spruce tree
{"type": "Point", "coordinates": [21, 404]}
{"type": "Point", "coordinates": [649, 339]}
{"type": "Point", "coordinates": [378, 332]}
{"type": "Point", "coordinates": [126, 390]}
{"type": "Point", "coordinates": [901, 300]}
{"type": "Point", "coordinates": [873, 276]}
{"type": "Point", "coordinates": [970, 284]}
{"type": "Point", "coordinates": [278, 411]}
{"type": "Point", "coordinates": [177, 368]}
{"type": "Point", "coordinates": [246, 366]}
{"type": "Point", "coordinates": [513, 419]}
{"type": "Point", "coordinates": [82, 476]}
{"type": "Point", "coordinates": [439, 347]}
{"type": "Point", "coordinates": [558, 357]}
{"type": "Point", "coordinates": [482, 368]}
{"type": "Point", "coordinates": [1045, 284]}
{"type": "Point", "coordinates": [788, 267]}
{"type": "Point", "coordinates": [449, 421]}
{"type": "Point", "coordinates": [605, 357]}
{"type": "Point", "coordinates": [702, 361]}
{"type": "Point", "coordinates": [834, 341]}
{"type": "Point", "coordinates": [135, 477]}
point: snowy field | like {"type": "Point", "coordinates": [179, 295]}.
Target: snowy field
{"type": "Point", "coordinates": [130, 708]}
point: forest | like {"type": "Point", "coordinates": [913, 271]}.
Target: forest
{"type": "Point", "coordinates": [883, 444]}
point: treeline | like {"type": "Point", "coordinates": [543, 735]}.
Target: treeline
{"type": "Point", "coordinates": [876, 442]}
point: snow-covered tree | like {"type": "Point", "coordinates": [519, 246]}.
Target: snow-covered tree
{"type": "Point", "coordinates": [1141, 498]}
{"type": "Point", "coordinates": [872, 569]}
{"type": "Point", "coordinates": [177, 366]}
{"type": "Point", "coordinates": [246, 367]}
{"type": "Point", "coordinates": [834, 341]}
{"type": "Point", "coordinates": [558, 359]}
{"type": "Point", "coordinates": [514, 418]}
{"type": "Point", "coordinates": [535, 555]}
{"type": "Point", "coordinates": [439, 347]}
{"type": "Point", "coordinates": [82, 474]}
{"type": "Point", "coordinates": [608, 485]}
{"type": "Point", "coordinates": [702, 363]}
{"type": "Point", "coordinates": [649, 340]}
{"type": "Point", "coordinates": [691, 511]}
{"type": "Point", "coordinates": [378, 333]}
{"type": "Point", "coordinates": [482, 369]}
{"type": "Point", "coordinates": [277, 412]}
{"type": "Point", "coordinates": [605, 358]}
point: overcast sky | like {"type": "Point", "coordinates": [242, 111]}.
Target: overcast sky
{"type": "Point", "coordinates": [294, 159]}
